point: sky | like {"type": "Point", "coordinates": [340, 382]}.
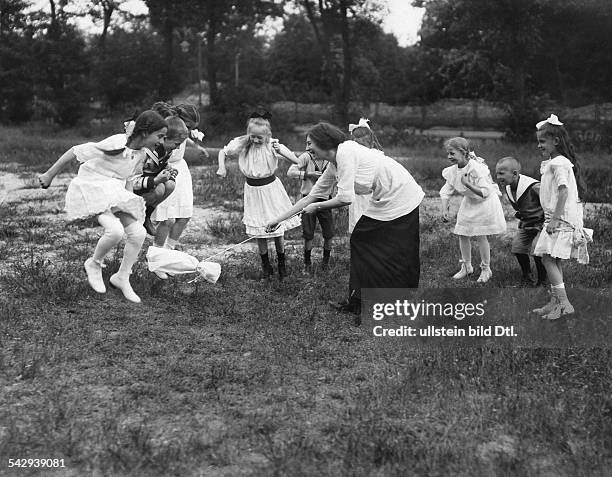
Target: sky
{"type": "Point", "coordinates": [403, 20]}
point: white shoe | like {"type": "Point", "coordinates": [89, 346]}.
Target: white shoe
{"type": "Point", "coordinates": [485, 274]}
{"type": "Point", "coordinates": [466, 269]}
{"type": "Point", "coordinates": [94, 275]}
{"type": "Point", "coordinates": [160, 274]}
{"type": "Point", "coordinates": [123, 284]}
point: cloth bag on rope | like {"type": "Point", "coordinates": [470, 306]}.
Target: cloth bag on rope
{"type": "Point", "coordinates": [175, 262]}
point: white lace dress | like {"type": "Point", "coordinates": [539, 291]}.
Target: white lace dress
{"type": "Point", "coordinates": [571, 238]}
{"type": "Point", "coordinates": [477, 215]}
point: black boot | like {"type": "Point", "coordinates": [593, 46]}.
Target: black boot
{"type": "Point", "coordinates": [326, 256]}
{"type": "Point", "coordinates": [267, 269]}
{"type": "Point", "coordinates": [282, 269]}
{"type": "Point", "coordinates": [523, 260]}
{"type": "Point", "coordinates": [148, 225]}
{"type": "Point", "coordinates": [307, 261]}
{"type": "Point", "coordinates": [542, 276]}
{"type": "Point", "coordinates": [352, 305]}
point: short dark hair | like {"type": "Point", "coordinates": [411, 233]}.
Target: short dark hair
{"type": "Point", "coordinates": [326, 136]}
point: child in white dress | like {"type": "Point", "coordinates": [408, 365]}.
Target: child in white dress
{"type": "Point", "coordinates": [480, 213]}
{"type": "Point", "coordinates": [361, 134]}
{"type": "Point", "coordinates": [563, 235]}
{"type": "Point", "coordinates": [175, 212]}
{"type": "Point", "coordinates": [264, 194]}
{"type": "Point", "coordinates": [99, 189]}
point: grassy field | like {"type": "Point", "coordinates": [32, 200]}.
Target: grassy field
{"type": "Point", "coordinates": [252, 377]}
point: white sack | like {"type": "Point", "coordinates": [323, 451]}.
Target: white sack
{"type": "Point", "coordinates": [175, 262]}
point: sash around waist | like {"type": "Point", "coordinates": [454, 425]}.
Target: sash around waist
{"type": "Point", "coordinates": [261, 181]}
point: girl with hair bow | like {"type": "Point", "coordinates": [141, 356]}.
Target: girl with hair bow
{"type": "Point", "coordinates": [563, 235]}
{"type": "Point", "coordinates": [480, 213]}
{"type": "Point", "coordinates": [265, 196]}
{"type": "Point", "coordinates": [101, 189]}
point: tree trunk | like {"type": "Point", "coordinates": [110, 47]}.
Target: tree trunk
{"type": "Point", "coordinates": [211, 63]}
{"type": "Point", "coordinates": [345, 96]}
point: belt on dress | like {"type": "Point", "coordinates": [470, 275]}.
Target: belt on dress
{"type": "Point", "coordinates": [261, 181]}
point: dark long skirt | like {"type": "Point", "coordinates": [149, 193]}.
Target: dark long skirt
{"type": "Point", "coordinates": [385, 254]}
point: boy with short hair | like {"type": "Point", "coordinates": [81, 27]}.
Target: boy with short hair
{"type": "Point", "coordinates": [523, 192]}
{"type": "Point", "coordinates": [308, 170]}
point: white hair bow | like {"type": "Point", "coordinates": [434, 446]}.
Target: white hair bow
{"type": "Point", "coordinates": [363, 123]}
{"type": "Point", "coordinates": [197, 134]}
{"type": "Point", "coordinates": [552, 119]}
{"type": "Point", "coordinates": [129, 127]}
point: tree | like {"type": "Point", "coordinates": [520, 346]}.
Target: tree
{"type": "Point", "coordinates": [214, 21]}
{"type": "Point", "coordinates": [16, 87]}
{"type": "Point", "coordinates": [331, 22]}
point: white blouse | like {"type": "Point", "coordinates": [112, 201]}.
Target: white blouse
{"type": "Point", "coordinates": [96, 162]}
{"type": "Point", "coordinates": [559, 172]}
{"type": "Point", "coordinates": [478, 175]}
{"type": "Point", "coordinates": [255, 161]}
{"type": "Point", "coordinates": [361, 170]}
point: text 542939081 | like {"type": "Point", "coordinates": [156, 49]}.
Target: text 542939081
{"type": "Point", "coordinates": [37, 463]}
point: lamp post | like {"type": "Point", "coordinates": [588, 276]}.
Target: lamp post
{"type": "Point", "coordinates": [199, 70]}
{"type": "Point", "coordinates": [237, 69]}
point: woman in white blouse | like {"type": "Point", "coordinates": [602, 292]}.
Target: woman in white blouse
{"type": "Point", "coordinates": [385, 241]}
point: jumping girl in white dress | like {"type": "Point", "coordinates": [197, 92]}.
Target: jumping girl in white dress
{"type": "Point", "coordinates": [99, 189]}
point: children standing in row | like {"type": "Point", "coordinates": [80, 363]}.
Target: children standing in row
{"type": "Point", "coordinates": [523, 193]}
{"type": "Point", "coordinates": [563, 235]}
{"type": "Point", "coordinates": [308, 169]}
{"type": "Point", "coordinates": [480, 213]}
{"type": "Point", "coordinates": [99, 189]}
{"type": "Point", "coordinates": [264, 194]}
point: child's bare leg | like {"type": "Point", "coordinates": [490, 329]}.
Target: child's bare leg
{"type": "Point", "coordinates": [279, 244]}
{"type": "Point", "coordinates": [163, 230]}
{"type": "Point", "coordinates": [178, 225]}
{"type": "Point", "coordinates": [485, 259]}
{"type": "Point", "coordinates": [552, 270]}
{"type": "Point", "coordinates": [178, 228]}
{"type": "Point", "coordinates": [47, 177]}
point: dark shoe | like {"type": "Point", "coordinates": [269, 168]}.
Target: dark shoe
{"type": "Point", "coordinates": [347, 306]}
{"type": "Point", "coordinates": [527, 280]}
{"type": "Point", "coordinates": [149, 227]}
{"type": "Point", "coordinates": [267, 270]}
{"type": "Point", "coordinates": [282, 269]}
{"type": "Point", "coordinates": [326, 257]}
